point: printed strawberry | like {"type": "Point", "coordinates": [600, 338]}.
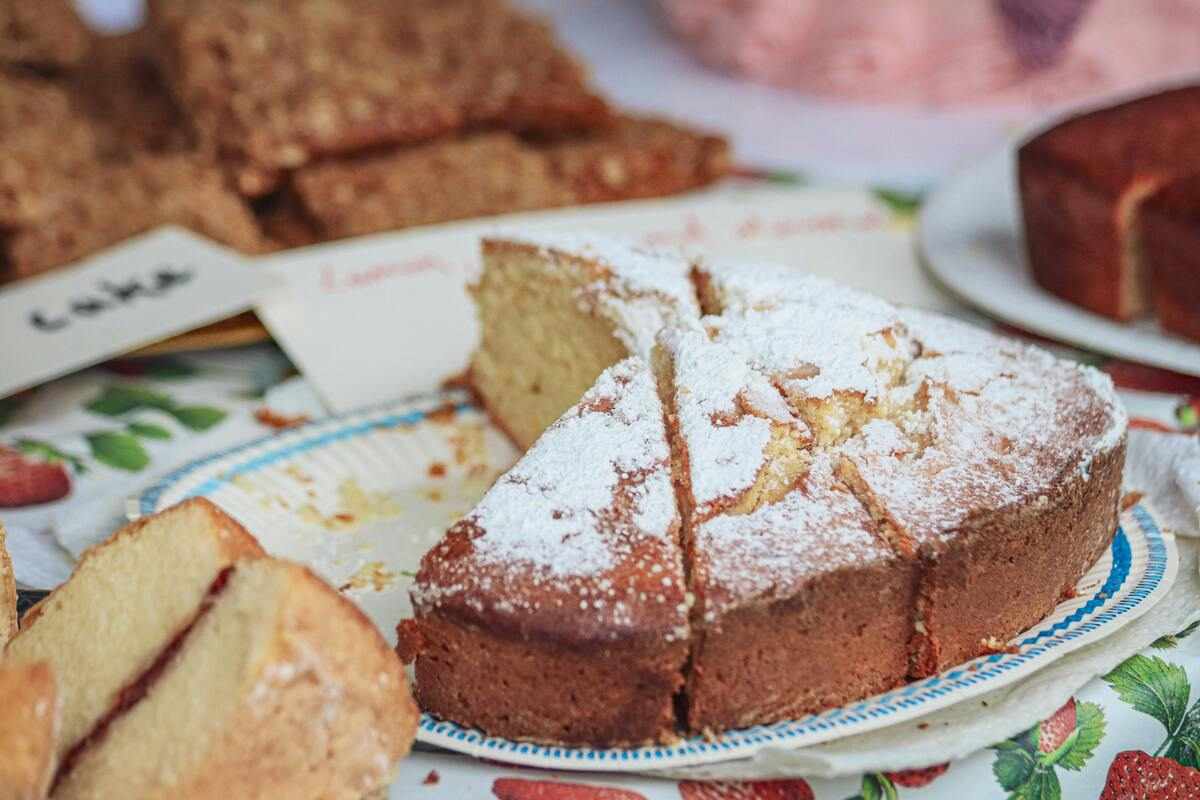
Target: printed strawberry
{"type": "Point", "coordinates": [1027, 765]}
{"type": "Point", "coordinates": [1054, 731]}
{"type": "Point", "coordinates": [521, 789]}
{"type": "Point", "coordinates": [1134, 775]}
{"type": "Point", "coordinates": [916, 778]}
{"type": "Point", "coordinates": [789, 789]}
{"type": "Point", "coordinates": [26, 481]}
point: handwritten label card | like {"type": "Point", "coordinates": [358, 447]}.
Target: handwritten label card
{"type": "Point", "coordinates": [146, 289]}
{"type": "Point", "coordinates": [376, 318]}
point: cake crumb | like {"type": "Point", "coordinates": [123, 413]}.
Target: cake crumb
{"type": "Point", "coordinates": [1131, 499]}
{"type": "Point", "coordinates": [432, 779]}
{"type": "Point", "coordinates": [373, 575]}
{"type": "Point", "coordinates": [437, 470]}
{"type": "Point", "coordinates": [273, 419]}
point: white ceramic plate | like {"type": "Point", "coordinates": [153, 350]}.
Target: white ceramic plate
{"type": "Point", "coordinates": [361, 497]}
{"type": "Point", "coordinates": [971, 239]}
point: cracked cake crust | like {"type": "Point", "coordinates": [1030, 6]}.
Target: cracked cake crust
{"type": "Point", "coordinates": [864, 495]}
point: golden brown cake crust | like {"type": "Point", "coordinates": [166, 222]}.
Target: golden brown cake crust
{"type": "Point", "coordinates": [29, 717]}
{"type": "Point", "coordinates": [868, 495]}
{"type": "Point", "coordinates": [8, 594]}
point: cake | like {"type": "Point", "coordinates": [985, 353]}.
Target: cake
{"type": "Point", "coordinates": [354, 74]}
{"type": "Point", "coordinates": [29, 714]}
{"type": "Point", "coordinates": [300, 695]}
{"type": "Point", "coordinates": [1083, 183]}
{"type": "Point", "coordinates": [1169, 236]}
{"type": "Point", "coordinates": [865, 495]}
{"type": "Point", "coordinates": [613, 299]}
{"type": "Point", "coordinates": [557, 609]}
{"type": "Point", "coordinates": [8, 594]}
{"type": "Point", "coordinates": [497, 172]}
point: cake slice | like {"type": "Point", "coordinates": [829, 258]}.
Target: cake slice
{"type": "Point", "coordinates": [8, 594]}
{"type": "Point", "coordinates": [557, 610]}
{"type": "Point", "coordinates": [800, 607]}
{"type": "Point", "coordinates": [1082, 183]}
{"type": "Point", "coordinates": [776, 548]}
{"type": "Point", "coordinates": [126, 600]}
{"type": "Point", "coordinates": [29, 718]}
{"type": "Point", "coordinates": [280, 688]}
{"type": "Point", "coordinates": [556, 310]}
{"type": "Point", "coordinates": [1003, 449]}
{"type": "Point", "coordinates": [1169, 233]}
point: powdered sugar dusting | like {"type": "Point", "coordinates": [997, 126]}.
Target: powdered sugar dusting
{"type": "Point", "coordinates": [768, 554]}
{"type": "Point", "coordinates": [725, 440]}
{"type": "Point", "coordinates": [641, 290]}
{"type": "Point", "coordinates": [549, 510]}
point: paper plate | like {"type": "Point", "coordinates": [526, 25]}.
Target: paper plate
{"type": "Point", "coordinates": [361, 497]}
{"type": "Point", "coordinates": [971, 238]}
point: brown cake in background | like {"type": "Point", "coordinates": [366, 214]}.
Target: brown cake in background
{"type": "Point", "coordinates": [1169, 235]}
{"type": "Point", "coordinates": [1082, 186]}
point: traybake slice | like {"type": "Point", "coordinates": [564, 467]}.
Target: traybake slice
{"type": "Point", "coordinates": [281, 688]}
{"type": "Point", "coordinates": [557, 610]}
{"type": "Point", "coordinates": [126, 599]}
{"type": "Point", "coordinates": [29, 720]}
{"type": "Point", "coordinates": [555, 310]}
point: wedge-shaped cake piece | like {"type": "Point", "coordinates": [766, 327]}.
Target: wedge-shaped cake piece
{"type": "Point", "coordinates": [800, 607]}
{"type": "Point", "coordinates": [126, 600]}
{"type": "Point", "coordinates": [556, 610]}
{"type": "Point", "coordinates": [777, 548]}
{"type": "Point", "coordinates": [281, 688]}
{"type": "Point", "coordinates": [1002, 480]}
{"type": "Point", "coordinates": [29, 719]}
{"type": "Point", "coordinates": [556, 310]}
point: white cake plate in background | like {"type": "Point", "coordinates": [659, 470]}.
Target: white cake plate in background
{"type": "Point", "coordinates": [361, 497]}
{"type": "Point", "coordinates": [971, 239]}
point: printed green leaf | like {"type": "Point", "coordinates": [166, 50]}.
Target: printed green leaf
{"type": "Point", "coordinates": [789, 178]}
{"type": "Point", "coordinates": [1013, 766]}
{"type": "Point", "coordinates": [197, 418]}
{"type": "Point", "coordinates": [1152, 686]}
{"type": "Point", "coordinates": [877, 787]}
{"type": "Point", "coordinates": [118, 450]}
{"type": "Point", "coordinates": [1042, 785]}
{"type": "Point", "coordinates": [118, 399]}
{"type": "Point", "coordinates": [48, 452]}
{"type": "Point", "coordinates": [902, 203]}
{"type": "Point", "coordinates": [148, 430]}
{"type": "Point", "coordinates": [1172, 639]}
{"type": "Point", "coordinates": [1184, 746]}
{"type": "Point", "coordinates": [1089, 730]}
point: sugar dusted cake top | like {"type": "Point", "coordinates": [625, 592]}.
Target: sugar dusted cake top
{"type": "Point", "coordinates": [580, 538]}
{"type": "Point", "coordinates": [639, 290]}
